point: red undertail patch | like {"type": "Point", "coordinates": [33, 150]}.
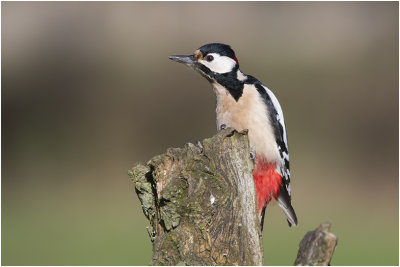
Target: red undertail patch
{"type": "Point", "coordinates": [267, 182]}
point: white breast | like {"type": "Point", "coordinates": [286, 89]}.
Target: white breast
{"type": "Point", "coordinates": [249, 112]}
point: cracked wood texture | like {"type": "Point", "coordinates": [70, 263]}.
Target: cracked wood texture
{"type": "Point", "coordinates": [317, 247]}
{"type": "Point", "coordinates": [201, 204]}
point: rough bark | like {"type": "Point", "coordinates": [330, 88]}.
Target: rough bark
{"type": "Point", "coordinates": [200, 202]}
{"type": "Point", "coordinates": [317, 247]}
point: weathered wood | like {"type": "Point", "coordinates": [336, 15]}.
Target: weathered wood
{"type": "Point", "coordinates": [200, 202]}
{"type": "Point", "coordinates": [317, 247]}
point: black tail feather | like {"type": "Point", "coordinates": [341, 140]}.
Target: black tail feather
{"type": "Point", "coordinates": [285, 203]}
{"type": "Point", "coordinates": [286, 206]}
{"type": "Point", "coordinates": [262, 215]}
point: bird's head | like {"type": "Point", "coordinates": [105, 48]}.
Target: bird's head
{"type": "Point", "coordinates": [212, 61]}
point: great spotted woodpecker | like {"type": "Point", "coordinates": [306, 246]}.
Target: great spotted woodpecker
{"type": "Point", "coordinates": [243, 102]}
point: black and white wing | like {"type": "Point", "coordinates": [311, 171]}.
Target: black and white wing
{"type": "Point", "coordinates": [278, 122]}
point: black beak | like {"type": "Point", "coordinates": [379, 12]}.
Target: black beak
{"type": "Point", "coordinates": [188, 60]}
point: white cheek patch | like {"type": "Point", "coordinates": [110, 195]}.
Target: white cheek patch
{"type": "Point", "coordinates": [220, 64]}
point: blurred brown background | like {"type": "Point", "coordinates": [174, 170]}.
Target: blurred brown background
{"type": "Point", "coordinates": [88, 90]}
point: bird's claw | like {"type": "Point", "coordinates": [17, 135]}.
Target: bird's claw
{"type": "Point", "coordinates": [222, 127]}
{"type": "Point", "coordinates": [199, 145]}
{"type": "Point", "coordinates": [252, 154]}
{"type": "Point", "coordinates": [187, 144]}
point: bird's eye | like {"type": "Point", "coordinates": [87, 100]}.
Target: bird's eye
{"type": "Point", "coordinates": [209, 58]}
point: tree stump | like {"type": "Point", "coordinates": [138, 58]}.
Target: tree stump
{"type": "Point", "coordinates": [317, 247]}
{"type": "Point", "coordinates": [201, 203]}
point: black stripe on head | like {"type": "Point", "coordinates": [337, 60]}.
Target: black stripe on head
{"type": "Point", "coordinates": [234, 86]}
{"type": "Point", "coordinates": [221, 49]}
{"type": "Point", "coordinates": [227, 80]}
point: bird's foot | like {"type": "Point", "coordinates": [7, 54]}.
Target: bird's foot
{"type": "Point", "coordinates": [222, 127]}
{"type": "Point", "coordinates": [199, 145]}
{"type": "Point", "coordinates": [252, 153]}
{"type": "Point", "coordinates": [187, 144]}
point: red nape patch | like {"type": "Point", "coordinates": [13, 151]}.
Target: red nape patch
{"type": "Point", "coordinates": [267, 182]}
{"type": "Point", "coordinates": [237, 61]}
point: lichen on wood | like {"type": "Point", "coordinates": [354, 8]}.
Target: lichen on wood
{"type": "Point", "coordinates": [200, 203]}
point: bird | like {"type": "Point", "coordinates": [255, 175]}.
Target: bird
{"type": "Point", "coordinates": [244, 103]}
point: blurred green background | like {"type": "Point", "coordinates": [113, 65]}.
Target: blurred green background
{"type": "Point", "coordinates": [88, 90]}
